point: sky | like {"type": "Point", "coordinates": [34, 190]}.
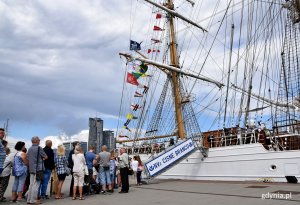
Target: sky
{"type": "Point", "coordinates": [59, 64]}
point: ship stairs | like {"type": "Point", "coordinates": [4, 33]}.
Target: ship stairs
{"type": "Point", "coordinates": [154, 161]}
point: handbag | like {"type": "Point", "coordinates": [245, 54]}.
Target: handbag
{"type": "Point", "coordinates": [106, 167]}
{"type": "Point", "coordinates": [13, 167]}
{"type": "Point", "coordinates": [130, 171]}
{"type": "Point", "coordinates": [140, 168]}
{"type": "Point", "coordinates": [39, 175]}
{"type": "Point", "coordinates": [67, 169]}
{"type": "Point", "coordinates": [86, 170]}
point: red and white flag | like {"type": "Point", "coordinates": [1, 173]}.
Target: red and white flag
{"type": "Point", "coordinates": [137, 94]}
{"type": "Point", "coordinates": [158, 16]}
{"type": "Point", "coordinates": [149, 51]}
{"type": "Point", "coordinates": [155, 40]}
{"type": "Point", "coordinates": [135, 107]}
{"type": "Point", "coordinates": [123, 136]}
{"type": "Point", "coordinates": [157, 28]}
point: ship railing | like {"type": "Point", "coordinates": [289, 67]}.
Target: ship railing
{"type": "Point", "coordinates": [289, 141]}
{"type": "Point", "coordinates": [145, 150]}
{"type": "Point", "coordinates": [156, 150]}
{"type": "Point", "coordinates": [231, 140]}
{"type": "Point", "coordinates": [270, 142]}
{"type": "Point", "coordinates": [160, 149]}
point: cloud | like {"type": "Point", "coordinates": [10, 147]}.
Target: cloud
{"type": "Point", "coordinates": [60, 63]}
{"type": "Point", "coordinates": [13, 140]}
{"type": "Point", "coordinates": [81, 136]}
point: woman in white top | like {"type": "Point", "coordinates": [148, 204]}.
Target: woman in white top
{"type": "Point", "coordinates": [78, 171]}
{"type": "Point", "coordinates": [134, 166]}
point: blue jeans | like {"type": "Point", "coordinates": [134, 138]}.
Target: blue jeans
{"type": "Point", "coordinates": [138, 176]}
{"type": "Point", "coordinates": [104, 176]}
{"type": "Point", "coordinates": [19, 183]}
{"type": "Point", "coordinates": [44, 183]}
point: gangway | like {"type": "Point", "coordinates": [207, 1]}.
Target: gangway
{"type": "Point", "coordinates": [172, 156]}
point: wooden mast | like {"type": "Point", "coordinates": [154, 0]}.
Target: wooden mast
{"type": "Point", "coordinates": [174, 75]}
{"type": "Point", "coordinates": [174, 70]}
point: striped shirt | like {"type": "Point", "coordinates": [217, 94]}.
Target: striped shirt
{"type": "Point", "coordinates": [61, 163]}
{"type": "Point", "coordinates": [8, 165]}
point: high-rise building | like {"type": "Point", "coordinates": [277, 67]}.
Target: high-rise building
{"type": "Point", "coordinates": [95, 133]}
{"type": "Point", "coordinates": [84, 146]}
{"type": "Point", "coordinates": [69, 146]}
{"type": "Point", "coordinates": [109, 140]}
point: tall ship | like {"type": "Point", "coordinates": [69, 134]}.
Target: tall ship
{"type": "Point", "coordinates": [224, 74]}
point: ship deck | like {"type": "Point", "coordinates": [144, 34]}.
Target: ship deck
{"type": "Point", "coordinates": [191, 192]}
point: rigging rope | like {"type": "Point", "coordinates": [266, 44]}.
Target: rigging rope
{"type": "Point", "coordinates": [210, 47]}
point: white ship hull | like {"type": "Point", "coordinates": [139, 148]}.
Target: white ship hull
{"type": "Point", "coordinates": [237, 163]}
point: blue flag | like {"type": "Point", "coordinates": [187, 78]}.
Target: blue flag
{"type": "Point", "coordinates": [135, 46]}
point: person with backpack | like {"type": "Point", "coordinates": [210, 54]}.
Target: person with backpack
{"type": "Point", "coordinates": [20, 163]}
{"type": "Point", "coordinates": [36, 156]}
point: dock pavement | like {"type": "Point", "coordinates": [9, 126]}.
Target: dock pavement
{"type": "Point", "coordinates": [184, 192]}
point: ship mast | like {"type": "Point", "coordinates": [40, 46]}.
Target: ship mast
{"type": "Point", "coordinates": [173, 70]}
{"type": "Point", "coordinates": [174, 75]}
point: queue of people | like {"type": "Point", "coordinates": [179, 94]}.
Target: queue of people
{"type": "Point", "coordinates": [91, 173]}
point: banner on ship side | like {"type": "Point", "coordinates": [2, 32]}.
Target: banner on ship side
{"type": "Point", "coordinates": [170, 157]}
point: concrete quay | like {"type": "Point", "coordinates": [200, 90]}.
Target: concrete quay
{"type": "Point", "coordinates": [173, 192]}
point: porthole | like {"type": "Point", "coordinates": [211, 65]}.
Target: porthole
{"type": "Point", "coordinates": [273, 167]}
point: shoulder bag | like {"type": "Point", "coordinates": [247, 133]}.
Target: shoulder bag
{"type": "Point", "coordinates": [85, 168]}
{"type": "Point", "coordinates": [13, 166]}
{"type": "Point", "coordinates": [67, 169]}
{"type": "Point", "coordinates": [39, 175]}
{"type": "Point", "coordinates": [130, 170]}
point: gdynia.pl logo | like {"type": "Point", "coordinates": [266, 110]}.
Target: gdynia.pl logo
{"type": "Point", "coordinates": [276, 196]}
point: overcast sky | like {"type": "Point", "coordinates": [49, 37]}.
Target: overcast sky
{"type": "Point", "coordinates": [59, 64]}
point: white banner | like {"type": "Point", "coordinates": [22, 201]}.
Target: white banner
{"type": "Point", "coordinates": [165, 160]}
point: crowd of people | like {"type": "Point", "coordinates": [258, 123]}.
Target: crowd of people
{"type": "Point", "coordinates": [91, 173]}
